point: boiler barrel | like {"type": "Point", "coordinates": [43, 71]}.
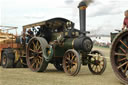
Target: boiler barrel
{"type": "Point", "coordinates": [81, 43]}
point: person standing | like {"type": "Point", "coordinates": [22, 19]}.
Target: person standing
{"type": "Point", "coordinates": [125, 23]}
{"type": "Point", "coordinates": [29, 35]}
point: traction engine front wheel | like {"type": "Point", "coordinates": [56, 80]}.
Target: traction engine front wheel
{"type": "Point", "coordinates": [71, 62]}
{"type": "Point", "coordinates": [97, 62]}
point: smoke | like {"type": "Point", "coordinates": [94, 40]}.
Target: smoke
{"type": "Point", "coordinates": [88, 2]}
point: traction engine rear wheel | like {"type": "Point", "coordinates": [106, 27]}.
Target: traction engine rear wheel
{"type": "Point", "coordinates": [97, 63]}
{"type": "Point", "coordinates": [119, 56]}
{"type": "Point", "coordinates": [35, 59]}
{"type": "Point", "coordinates": [6, 61]}
{"type": "Point", "coordinates": [71, 62]}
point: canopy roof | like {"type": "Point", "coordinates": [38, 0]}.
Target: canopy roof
{"type": "Point", "coordinates": [53, 23]}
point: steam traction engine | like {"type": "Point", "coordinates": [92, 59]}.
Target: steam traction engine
{"type": "Point", "coordinates": [119, 55]}
{"type": "Point", "coordinates": [11, 52]}
{"type": "Point", "coordinates": [56, 41]}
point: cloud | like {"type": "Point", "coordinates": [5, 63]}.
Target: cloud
{"type": "Point", "coordinates": [107, 15]}
{"type": "Point", "coordinates": [104, 9]}
{"type": "Point", "coordinates": [100, 12]}
{"type": "Point", "coordinates": [69, 1]}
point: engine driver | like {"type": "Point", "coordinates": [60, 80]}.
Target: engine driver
{"type": "Point", "coordinates": [125, 23]}
{"type": "Point", "coordinates": [29, 35]}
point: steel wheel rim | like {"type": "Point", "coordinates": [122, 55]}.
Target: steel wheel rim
{"type": "Point", "coordinates": [71, 63]}
{"type": "Point", "coordinates": [34, 55]}
{"type": "Point", "coordinates": [119, 56]}
{"type": "Point", "coordinates": [4, 60]}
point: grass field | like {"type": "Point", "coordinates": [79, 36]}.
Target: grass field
{"type": "Point", "coordinates": [24, 76]}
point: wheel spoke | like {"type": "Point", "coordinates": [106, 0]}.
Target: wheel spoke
{"type": "Point", "coordinates": [99, 56]}
{"type": "Point", "coordinates": [119, 60]}
{"type": "Point", "coordinates": [68, 68]}
{"type": "Point", "coordinates": [40, 52]}
{"type": "Point", "coordinates": [40, 57]}
{"type": "Point", "coordinates": [102, 60]}
{"type": "Point", "coordinates": [102, 64]}
{"type": "Point", "coordinates": [31, 50]}
{"type": "Point", "coordinates": [73, 57]}
{"type": "Point", "coordinates": [100, 67]}
{"type": "Point", "coordinates": [37, 65]}
{"type": "Point", "coordinates": [33, 63]}
{"type": "Point", "coordinates": [123, 43]}
{"type": "Point", "coordinates": [95, 68]}
{"type": "Point", "coordinates": [73, 68]}
{"type": "Point", "coordinates": [120, 54]}
{"type": "Point", "coordinates": [34, 46]}
{"type": "Point", "coordinates": [75, 63]}
{"type": "Point", "coordinates": [122, 65]}
{"type": "Point", "coordinates": [67, 58]}
{"type": "Point", "coordinates": [123, 50]}
{"type": "Point", "coordinates": [126, 68]}
{"type": "Point", "coordinates": [93, 56]}
{"type": "Point", "coordinates": [68, 55]}
{"type": "Point", "coordinates": [39, 48]}
{"type": "Point", "coordinates": [31, 57]}
{"type": "Point", "coordinates": [37, 45]}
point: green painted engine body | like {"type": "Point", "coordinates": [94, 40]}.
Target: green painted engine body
{"type": "Point", "coordinates": [60, 49]}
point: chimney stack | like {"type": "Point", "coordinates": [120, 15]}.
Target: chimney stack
{"type": "Point", "coordinates": [82, 13]}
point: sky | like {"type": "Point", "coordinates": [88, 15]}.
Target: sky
{"type": "Point", "coordinates": [103, 16]}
